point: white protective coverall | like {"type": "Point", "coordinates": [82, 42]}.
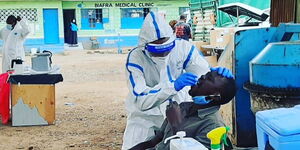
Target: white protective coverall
{"type": "Point", "coordinates": [13, 41]}
{"type": "Point", "coordinates": [151, 84]}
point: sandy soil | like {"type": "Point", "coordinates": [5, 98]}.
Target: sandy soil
{"type": "Point", "coordinates": [95, 84]}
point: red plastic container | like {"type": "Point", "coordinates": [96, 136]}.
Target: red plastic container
{"type": "Point", "coordinates": [4, 97]}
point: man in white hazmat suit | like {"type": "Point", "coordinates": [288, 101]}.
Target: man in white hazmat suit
{"type": "Point", "coordinates": [160, 69]}
{"type": "Point", "coordinates": [13, 36]}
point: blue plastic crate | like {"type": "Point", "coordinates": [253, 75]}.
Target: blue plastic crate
{"type": "Point", "coordinates": [280, 127]}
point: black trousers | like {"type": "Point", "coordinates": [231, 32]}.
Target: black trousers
{"type": "Point", "coordinates": [73, 39]}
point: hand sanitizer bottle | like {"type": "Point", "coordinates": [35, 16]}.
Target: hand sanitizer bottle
{"type": "Point", "coordinates": [184, 143]}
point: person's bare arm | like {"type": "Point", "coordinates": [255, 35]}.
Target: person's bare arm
{"type": "Point", "coordinates": [174, 116]}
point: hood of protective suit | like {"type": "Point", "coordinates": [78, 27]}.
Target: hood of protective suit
{"type": "Point", "coordinates": [154, 28]}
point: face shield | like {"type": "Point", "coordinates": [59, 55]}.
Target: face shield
{"type": "Point", "coordinates": [160, 50]}
{"type": "Point", "coordinates": [154, 29]}
{"type": "Point", "coordinates": [157, 38]}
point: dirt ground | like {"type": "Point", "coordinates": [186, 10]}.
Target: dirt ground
{"type": "Point", "coordinates": [90, 111]}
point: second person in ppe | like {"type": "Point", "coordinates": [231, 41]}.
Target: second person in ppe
{"type": "Point", "coordinates": [13, 36]}
{"type": "Point", "coordinates": [159, 69]}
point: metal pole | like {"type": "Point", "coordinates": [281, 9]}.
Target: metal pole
{"type": "Point", "coordinates": [237, 14]}
{"type": "Point", "coordinates": [119, 44]}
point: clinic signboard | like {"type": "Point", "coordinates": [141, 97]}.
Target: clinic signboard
{"type": "Point", "coordinates": [124, 5]}
{"type": "Point", "coordinates": [105, 19]}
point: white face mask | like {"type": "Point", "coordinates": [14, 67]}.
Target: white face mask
{"type": "Point", "coordinates": [160, 62]}
{"type": "Point", "coordinates": [9, 26]}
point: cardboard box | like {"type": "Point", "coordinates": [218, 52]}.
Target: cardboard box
{"type": "Point", "coordinates": [207, 50]}
{"type": "Point", "coordinates": [212, 60]}
{"type": "Point", "coordinates": [199, 45]}
{"type": "Point", "coordinates": [32, 104]}
{"type": "Point", "coordinates": [220, 37]}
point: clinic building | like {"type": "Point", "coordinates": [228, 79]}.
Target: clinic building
{"type": "Point", "coordinates": [113, 23]}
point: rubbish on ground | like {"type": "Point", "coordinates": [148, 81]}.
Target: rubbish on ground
{"type": "Point", "coordinates": [69, 104]}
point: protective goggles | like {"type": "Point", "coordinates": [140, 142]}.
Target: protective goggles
{"type": "Point", "coordinates": [160, 50]}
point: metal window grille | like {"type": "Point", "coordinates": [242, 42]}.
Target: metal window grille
{"type": "Point", "coordinates": [29, 13]}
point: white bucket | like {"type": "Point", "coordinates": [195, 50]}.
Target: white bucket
{"type": "Point", "coordinates": [33, 51]}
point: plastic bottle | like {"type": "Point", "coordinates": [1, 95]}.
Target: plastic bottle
{"type": "Point", "coordinates": [184, 143]}
{"type": "Point", "coordinates": [216, 137]}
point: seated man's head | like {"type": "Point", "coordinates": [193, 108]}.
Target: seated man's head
{"type": "Point", "coordinates": [214, 84]}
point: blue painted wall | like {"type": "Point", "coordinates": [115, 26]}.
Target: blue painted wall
{"type": "Point", "coordinates": [112, 41]}
{"type": "Point", "coordinates": [105, 42]}
{"type": "Point", "coordinates": [132, 23]}
{"type": "Point", "coordinates": [39, 43]}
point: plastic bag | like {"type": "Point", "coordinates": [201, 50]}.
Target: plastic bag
{"type": "Point", "coordinates": [4, 97]}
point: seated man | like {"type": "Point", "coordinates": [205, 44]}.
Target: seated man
{"type": "Point", "coordinates": [195, 118]}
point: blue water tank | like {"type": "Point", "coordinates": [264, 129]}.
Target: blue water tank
{"type": "Point", "coordinates": [277, 66]}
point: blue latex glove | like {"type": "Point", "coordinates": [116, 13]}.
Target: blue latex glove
{"type": "Point", "coordinates": [186, 79]}
{"type": "Point", "coordinates": [200, 100]}
{"type": "Point", "coordinates": [223, 71]}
